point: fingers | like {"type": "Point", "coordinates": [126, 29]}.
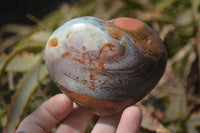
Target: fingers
{"type": "Point", "coordinates": [59, 108]}
{"type": "Point", "coordinates": [129, 123]}
{"type": "Point", "coordinates": [76, 122]}
{"type": "Point", "coordinates": [47, 115]}
{"type": "Point", "coordinates": [107, 124]}
{"type": "Point", "coordinates": [130, 120]}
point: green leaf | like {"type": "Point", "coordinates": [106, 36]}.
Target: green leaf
{"type": "Point", "coordinates": [185, 18]}
{"type": "Point", "coordinates": [21, 63]}
{"type": "Point", "coordinates": [22, 95]}
{"type": "Point", "coordinates": [1, 62]}
{"type": "Point", "coordinates": [36, 40]}
{"type": "Point", "coordinates": [28, 43]}
{"type": "Point", "coordinates": [193, 123]}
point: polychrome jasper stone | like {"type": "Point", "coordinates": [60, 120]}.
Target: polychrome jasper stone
{"type": "Point", "coordinates": [105, 66]}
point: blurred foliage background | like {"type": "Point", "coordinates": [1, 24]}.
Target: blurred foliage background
{"type": "Point", "coordinates": [172, 106]}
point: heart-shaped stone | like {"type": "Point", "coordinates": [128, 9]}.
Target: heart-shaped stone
{"type": "Point", "coordinates": [105, 66]}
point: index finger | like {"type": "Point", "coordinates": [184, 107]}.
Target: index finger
{"type": "Point", "coordinates": [131, 120]}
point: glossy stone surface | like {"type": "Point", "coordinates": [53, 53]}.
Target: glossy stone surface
{"type": "Point", "coordinates": [105, 66]}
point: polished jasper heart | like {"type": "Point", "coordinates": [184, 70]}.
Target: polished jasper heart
{"type": "Point", "coordinates": [105, 66]}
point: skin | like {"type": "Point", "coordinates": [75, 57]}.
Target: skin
{"type": "Point", "coordinates": [60, 111]}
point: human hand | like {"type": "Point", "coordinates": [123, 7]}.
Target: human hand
{"type": "Point", "coordinates": [59, 110]}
